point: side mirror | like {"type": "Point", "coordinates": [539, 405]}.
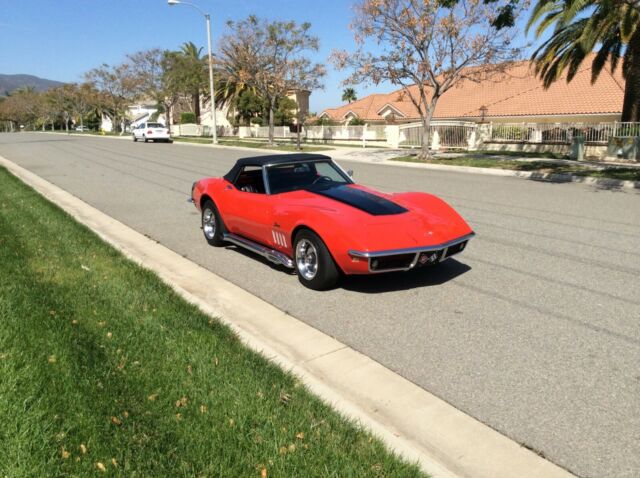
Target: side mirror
{"type": "Point", "coordinates": [350, 173]}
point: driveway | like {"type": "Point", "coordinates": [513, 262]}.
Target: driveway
{"type": "Point", "coordinates": [534, 330]}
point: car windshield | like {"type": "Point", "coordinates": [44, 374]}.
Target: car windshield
{"type": "Point", "coordinates": [305, 175]}
{"type": "Point", "coordinates": [155, 125]}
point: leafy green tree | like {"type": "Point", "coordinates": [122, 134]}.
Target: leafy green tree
{"type": "Point", "coordinates": [249, 105]}
{"type": "Point", "coordinates": [610, 27]}
{"type": "Point", "coordinates": [83, 99]}
{"type": "Point", "coordinates": [285, 111]}
{"type": "Point", "coordinates": [349, 95]}
{"type": "Point", "coordinates": [194, 74]}
{"type": "Point", "coordinates": [270, 58]}
{"type": "Point", "coordinates": [61, 102]}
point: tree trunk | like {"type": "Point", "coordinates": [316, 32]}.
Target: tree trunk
{"type": "Point", "coordinates": [196, 106]}
{"type": "Point", "coordinates": [167, 116]}
{"type": "Point", "coordinates": [272, 107]}
{"type": "Point", "coordinates": [425, 150]}
{"type": "Point", "coordinates": [298, 128]}
{"type": "Point", "coordinates": [631, 105]}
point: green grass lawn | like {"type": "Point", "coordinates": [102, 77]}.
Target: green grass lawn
{"type": "Point", "coordinates": [252, 144]}
{"type": "Point", "coordinates": [105, 369]}
{"type": "Point", "coordinates": [482, 161]}
{"type": "Point", "coordinates": [523, 154]}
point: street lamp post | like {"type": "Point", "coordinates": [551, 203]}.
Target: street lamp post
{"type": "Point", "coordinates": [211, 85]}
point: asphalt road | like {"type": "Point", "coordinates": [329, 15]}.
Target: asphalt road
{"type": "Point", "coordinates": [534, 330]}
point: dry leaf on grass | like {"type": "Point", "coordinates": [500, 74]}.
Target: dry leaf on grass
{"type": "Point", "coordinates": [182, 402]}
{"type": "Point", "coordinates": [100, 466]}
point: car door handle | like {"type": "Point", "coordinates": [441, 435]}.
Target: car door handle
{"type": "Point", "coordinates": [227, 187]}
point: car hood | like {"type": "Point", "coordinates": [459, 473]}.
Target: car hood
{"type": "Point", "coordinates": [397, 221]}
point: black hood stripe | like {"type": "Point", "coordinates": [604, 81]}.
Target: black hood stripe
{"type": "Point", "coordinates": [363, 200]}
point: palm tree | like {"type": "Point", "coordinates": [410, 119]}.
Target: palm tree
{"type": "Point", "coordinates": [349, 95]}
{"type": "Point", "coordinates": [582, 26]}
{"type": "Point", "coordinates": [194, 54]}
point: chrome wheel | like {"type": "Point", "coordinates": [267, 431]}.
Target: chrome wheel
{"type": "Point", "coordinates": [306, 259]}
{"type": "Point", "coordinates": [209, 223]}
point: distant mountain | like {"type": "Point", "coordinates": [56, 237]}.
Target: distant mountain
{"type": "Point", "coordinates": [8, 83]}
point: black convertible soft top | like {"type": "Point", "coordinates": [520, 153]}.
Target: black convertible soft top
{"type": "Point", "coordinates": [272, 159]}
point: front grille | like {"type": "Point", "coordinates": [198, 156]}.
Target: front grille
{"type": "Point", "coordinates": [397, 261]}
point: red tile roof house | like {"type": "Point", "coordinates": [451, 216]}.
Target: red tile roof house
{"type": "Point", "coordinates": [515, 96]}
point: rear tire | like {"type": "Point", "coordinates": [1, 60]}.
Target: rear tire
{"type": "Point", "coordinates": [212, 225]}
{"type": "Point", "coordinates": [145, 139]}
{"type": "Point", "coordinates": [316, 268]}
{"type": "Point", "coordinates": [134, 138]}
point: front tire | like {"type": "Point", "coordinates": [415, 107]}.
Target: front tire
{"type": "Point", "coordinates": [315, 266]}
{"type": "Point", "coordinates": [212, 225]}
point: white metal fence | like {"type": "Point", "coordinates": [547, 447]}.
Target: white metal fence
{"type": "Point", "coordinates": [323, 133]}
{"type": "Point", "coordinates": [446, 134]}
{"type": "Point", "coordinates": [192, 129]}
{"type": "Point", "coordinates": [561, 132]}
{"type": "Point", "coordinates": [442, 134]}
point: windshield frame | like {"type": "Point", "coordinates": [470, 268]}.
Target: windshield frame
{"type": "Point", "coordinates": [265, 173]}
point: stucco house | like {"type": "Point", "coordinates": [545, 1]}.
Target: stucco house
{"type": "Point", "coordinates": [516, 95]}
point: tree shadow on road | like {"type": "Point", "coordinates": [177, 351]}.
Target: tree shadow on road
{"type": "Point", "coordinates": [396, 281]}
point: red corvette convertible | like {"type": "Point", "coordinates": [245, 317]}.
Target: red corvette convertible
{"type": "Point", "coordinates": [304, 212]}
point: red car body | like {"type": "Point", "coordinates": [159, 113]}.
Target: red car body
{"type": "Point", "coordinates": [419, 229]}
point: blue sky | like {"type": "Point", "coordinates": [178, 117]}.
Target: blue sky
{"type": "Point", "coordinates": [61, 39]}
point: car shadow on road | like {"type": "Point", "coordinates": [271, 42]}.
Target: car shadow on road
{"type": "Point", "coordinates": [396, 281]}
{"type": "Point", "coordinates": [376, 283]}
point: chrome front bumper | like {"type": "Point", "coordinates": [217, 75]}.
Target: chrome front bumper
{"type": "Point", "coordinates": [413, 256]}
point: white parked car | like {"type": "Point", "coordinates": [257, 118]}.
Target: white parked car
{"type": "Point", "coordinates": [151, 132]}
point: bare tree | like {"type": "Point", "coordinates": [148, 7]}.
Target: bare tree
{"type": "Point", "coordinates": [118, 85]}
{"type": "Point", "coordinates": [159, 77]}
{"type": "Point", "coordinates": [427, 47]}
{"type": "Point", "coordinates": [269, 56]}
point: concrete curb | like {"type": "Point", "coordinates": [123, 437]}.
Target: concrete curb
{"type": "Point", "coordinates": [411, 421]}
